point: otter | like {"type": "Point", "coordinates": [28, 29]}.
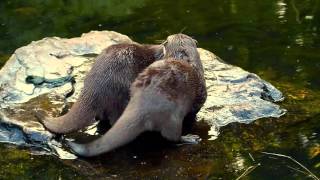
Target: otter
{"type": "Point", "coordinates": [183, 47]}
{"type": "Point", "coordinates": [161, 97]}
{"type": "Point", "coordinates": [106, 87]}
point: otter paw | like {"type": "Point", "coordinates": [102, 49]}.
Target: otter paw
{"type": "Point", "coordinates": [189, 139]}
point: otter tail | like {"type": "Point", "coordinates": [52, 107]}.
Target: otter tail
{"type": "Point", "coordinates": [126, 129]}
{"type": "Point", "coordinates": [78, 117]}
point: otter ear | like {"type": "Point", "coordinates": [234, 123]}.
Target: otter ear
{"type": "Point", "coordinates": [164, 43]}
{"type": "Point", "coordinates": [195, 41]}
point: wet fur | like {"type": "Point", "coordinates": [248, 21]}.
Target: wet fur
{"type": "Point", "coordinates": [184, 48]}
{"type": "Point", "coordinates": [161, 96]}
{"type": "Point", "coordinates": [106, 87]}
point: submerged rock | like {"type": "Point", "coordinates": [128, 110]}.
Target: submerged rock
{"type": "Point", "coordinates": [48, 75]}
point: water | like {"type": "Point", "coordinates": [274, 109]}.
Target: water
{"type": "Point", "coordinates": [276, 39]}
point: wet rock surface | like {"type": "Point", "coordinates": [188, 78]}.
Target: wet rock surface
{"type": "Point", "coordinates": [48, 75]}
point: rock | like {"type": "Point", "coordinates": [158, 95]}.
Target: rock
{"type": "Point", "coordinates": [48, 75]}
{"type": "Point", "coordinates": [235, 95]}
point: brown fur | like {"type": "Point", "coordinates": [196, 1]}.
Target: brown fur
{"type": "Point", "coordinates": [161, 96]}
{"type": "Point", "coordinates": [106, 87]}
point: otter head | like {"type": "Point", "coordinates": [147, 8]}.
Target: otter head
{"type": "Point", "coordinates": [183, 47]}
{"type": "Point", "coordinates": [179, 46]}
{"type": "Point", "coordinates": [181, 40]}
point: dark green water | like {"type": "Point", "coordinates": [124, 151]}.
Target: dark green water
{"type": "Point", "coordinates": [276, 39]}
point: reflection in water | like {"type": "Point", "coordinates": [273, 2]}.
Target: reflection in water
{"type": "Point", "coordinates": [282, 7]}
{"type": "Point", "coordinates": [303, 140]}
{"type": "Point", "coordinates": [233, 7]}
{"type": "Point", "coordinates": [296, 10]}
{"type": "Point", "coordinates": [299, 40]}
{"type": "Point", "coordinates": [213, 132]}
{"type": "Point", "coordinates": [238, 163]}
{"type": "Point", "coordinates": [309, 17]}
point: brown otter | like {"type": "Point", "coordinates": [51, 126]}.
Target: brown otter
{"type": "Point", "coordinates": [161, 96]}
{"type": "Point", "coordinates": [106, 87]}
{"type": "Point", "coordinates": [183, 47]}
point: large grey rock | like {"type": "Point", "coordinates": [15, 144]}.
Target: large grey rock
{"type": "Point", "coordinates": [48, 74]}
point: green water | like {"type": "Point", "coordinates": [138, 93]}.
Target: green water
{"type": "Point", "coordinates": [276, 39]}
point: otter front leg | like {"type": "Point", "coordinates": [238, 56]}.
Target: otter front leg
{"type": "Point", "coordinates": [172, 131]}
